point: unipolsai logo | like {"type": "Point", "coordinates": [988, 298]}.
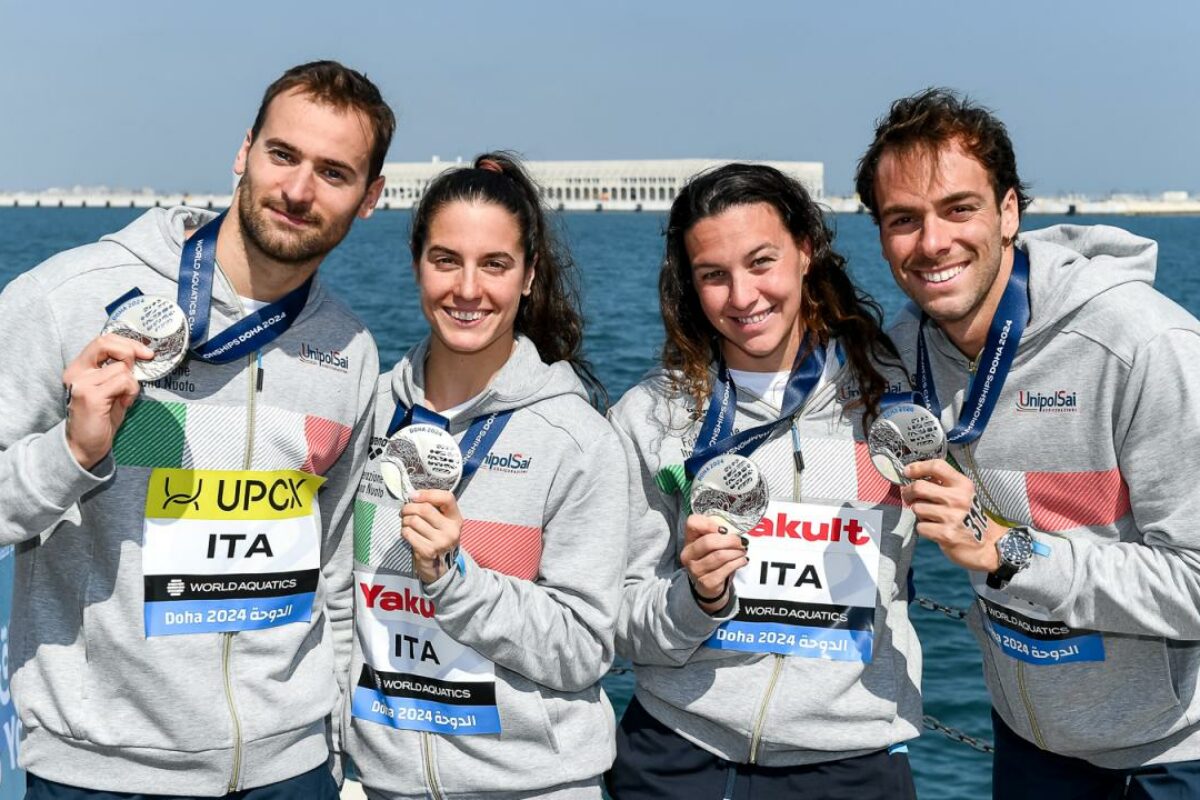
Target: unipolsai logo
{"type": "Point", "coordinates": [330, 359]}
{"type": "Point", "coordinates": [1058, 400]}
{"type": "Point", "coordinates": [510, 462]}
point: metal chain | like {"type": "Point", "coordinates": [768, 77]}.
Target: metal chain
{"type": "Point", "coordinates": [933, 605]}
{"type": "Point", "coordinates": [955, 735]}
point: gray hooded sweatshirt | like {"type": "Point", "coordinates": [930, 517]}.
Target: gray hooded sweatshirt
{"type": "Point", "coordinates": [103, 704]}
{"type": "Point", "coordinates": [1094, 650]}
{"type": "Point", "coordinates": [772, 709]}
{"type": "Point", "coordinates": [522, 627]}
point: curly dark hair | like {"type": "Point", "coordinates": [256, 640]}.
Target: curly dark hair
{"type": "Point", "coordinates": [831, 305]}
{"type": "Point", "coordinates": [550, 315]}
{"type": "Point", "coordinates": [927, 121]}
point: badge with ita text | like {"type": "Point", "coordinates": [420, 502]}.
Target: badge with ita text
{"type": "Point", "coordinates": [731, 489]}
{"type": "Point", "coordinates": [903, 434]}
{"type": "Point", "coordinates": [159, 324]}
{"type": "Point", "coordinates": [420, 457]}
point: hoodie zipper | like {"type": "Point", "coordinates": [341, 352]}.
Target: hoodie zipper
{"type": "Point", "coordinates": [427, 761]}
{"type": "Point", "coordinates": [992, 504]}
{"type": "Point", "coordinates": [227, 645]}
{"type": "Point", "coordinates": [760, 719]}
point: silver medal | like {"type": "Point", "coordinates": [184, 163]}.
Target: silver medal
{"type": "Point", "coordinates": [903, 434]}
{"type": "Point", "coordinates": [159, 324]}
{"type": "Point", "coordinates": [420, 457]}
{"type": "Point", "coordinates": [731, 489]}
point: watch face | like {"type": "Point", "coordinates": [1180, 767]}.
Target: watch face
{"type": "Point", "coordinates": [1016, 547]}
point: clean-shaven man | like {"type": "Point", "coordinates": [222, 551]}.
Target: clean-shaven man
{"type": "Point", "coordinates": [181, 619]}
{"type": "Point", "coordinates": [1070, 395]}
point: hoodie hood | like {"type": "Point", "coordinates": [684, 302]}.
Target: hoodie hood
{"type": "Point", "coordinates": [523, 380]}
{"type": "Point", "coordinates": [156, 239]}
{"type": "Point", "coordinates": [1078, 262]}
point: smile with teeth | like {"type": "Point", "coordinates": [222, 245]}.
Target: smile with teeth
{"type": "Point", "coordinates": [755, 318]}
{"type": "Point", "coordinates": [466, 316]}
{"type": "Point", "coordinates": [941, 275]}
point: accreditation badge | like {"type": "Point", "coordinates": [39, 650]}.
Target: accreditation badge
{"type": "Point", "coordinates": [414, 675]}
{"type": "Point", "coordinates": [809, 589]}
{"type": "Point", "coordinates": [1027, 632]}
{"type": "Point", "coordinates": [226, 550]}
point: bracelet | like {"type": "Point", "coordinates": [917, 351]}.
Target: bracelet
{"type": "Point", "coordinates": [699, 598]}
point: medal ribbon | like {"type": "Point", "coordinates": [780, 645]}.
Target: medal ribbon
{"type": "Point", "coordinates": [716, 434]}
{"type": "Point", "coordinates": [1003, 337]}
{"type": "Point", "coordinates": [476, 443]}
{"type": "Point", "coordinates": [253, 332]}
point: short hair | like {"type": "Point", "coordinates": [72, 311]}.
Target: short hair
{"type": "Point", "coordinates": [343, 88]}
{"type": "Point", "coordinates": [928, 121]}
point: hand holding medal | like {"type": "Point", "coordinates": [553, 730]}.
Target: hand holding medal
{"type": "Point", "coordinates": [728, 498]}
{"type": "Point", "coordinates": [421, 466]}
{"type": "Point", "coordinates": [157, 323]}
{"type": "Point", "coordinates": [908, 447]}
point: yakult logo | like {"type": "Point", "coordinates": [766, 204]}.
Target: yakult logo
{"type": "Point", "coordinates": [376, 596]}
{"type": "Point", "coordinates": [780, 525]}
{"type": "Point", "coordinates": [1058, 400]}
{"type": "Point", "coordinates": [331, 359]}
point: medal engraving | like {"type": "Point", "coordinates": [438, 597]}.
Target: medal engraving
{"type": "Point", "coordinates": [420, 457]}
{"type": "Point", "coordinates": [903, 434]}
{"type": "Point", "coordinates": [732, 490]}
{"type": "Point", "coordinates": [159, 324]}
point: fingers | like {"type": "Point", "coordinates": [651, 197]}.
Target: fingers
{"type": "Point", "coordinates": [103, 349]}
{"type": "Point", "coordinates": [718, 561]}
{"type": "Point", "coordinates": [937, 470]}
{"type": "Point", "coordinates": [711, 543]}
{"type": "Point", "coordinates": [117, 383]}
{"type": "Point", "coordinates": [443, 501]}
{"type": "Point", "coordinates": [697, 526]}
{"type": "Point", "coordinates": [427, 522]}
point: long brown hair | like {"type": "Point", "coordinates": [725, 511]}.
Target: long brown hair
{"type": "Point", "coordinates": [550, 314]}
{"type": "Point", "coordinates": [831, 305]}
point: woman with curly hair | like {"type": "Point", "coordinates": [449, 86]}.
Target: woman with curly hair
{"type": "Point", "coordinates": [777, 661]}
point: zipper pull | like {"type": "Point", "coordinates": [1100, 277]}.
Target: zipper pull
{"type": "Point", "coordinates": [797, 453]}
{"type": "Point", "coordinates": [258, 383]}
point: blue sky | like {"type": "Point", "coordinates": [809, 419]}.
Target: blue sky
{"type": "Point", "coordinates": [1099, 96]}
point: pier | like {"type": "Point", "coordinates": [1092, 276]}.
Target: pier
{"type": "Point", "coordinates": [604, 185]}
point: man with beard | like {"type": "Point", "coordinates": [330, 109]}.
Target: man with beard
{"type": "Point", "coordinates": [182, 608]}
{"type": "Point", "coordinates": [1068, 389]}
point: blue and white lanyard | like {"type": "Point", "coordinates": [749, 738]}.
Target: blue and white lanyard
{"type": "Point", "coordinates": [254, 331]}
{"type": "Point", "coordinates": [1004, 336]}
{"type": "Point", "coordinates": [475, 444]}
{"type": "Point", "coordinates": [716, 434]}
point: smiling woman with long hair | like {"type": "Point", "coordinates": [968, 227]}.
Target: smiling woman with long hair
{"type": "Point", "coordinates": [780, 662]}
{"type": "Point", "coordinates": [484, 616]}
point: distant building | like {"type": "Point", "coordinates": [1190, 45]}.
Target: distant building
{"type": "Point", "coordinates": [638, 185]}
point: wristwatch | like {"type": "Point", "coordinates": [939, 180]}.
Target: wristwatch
{"type": "Point", "coordinates": [1016, 549]}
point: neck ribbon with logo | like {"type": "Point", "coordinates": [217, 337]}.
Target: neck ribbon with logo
{"type": "Point", "coordinates": [1004, 335]}
{"type": "Point", "coordinates": [252, 332]}
{"type": "Point", "coordinates": [716, 434]}
{"type": "Point", "coordinates": [476, 443]}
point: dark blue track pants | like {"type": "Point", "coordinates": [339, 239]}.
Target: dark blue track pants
{"type": "Point", "coordinates": [1022, 770]}
{"type": "Point", "coordinates": [315, 784]}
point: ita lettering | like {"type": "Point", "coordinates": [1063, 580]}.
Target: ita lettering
{"type": "Point", "coordinates": [230, 542]}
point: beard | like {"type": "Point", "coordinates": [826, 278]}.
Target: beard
{"type": "Point", "coordinates": [284, 246]}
